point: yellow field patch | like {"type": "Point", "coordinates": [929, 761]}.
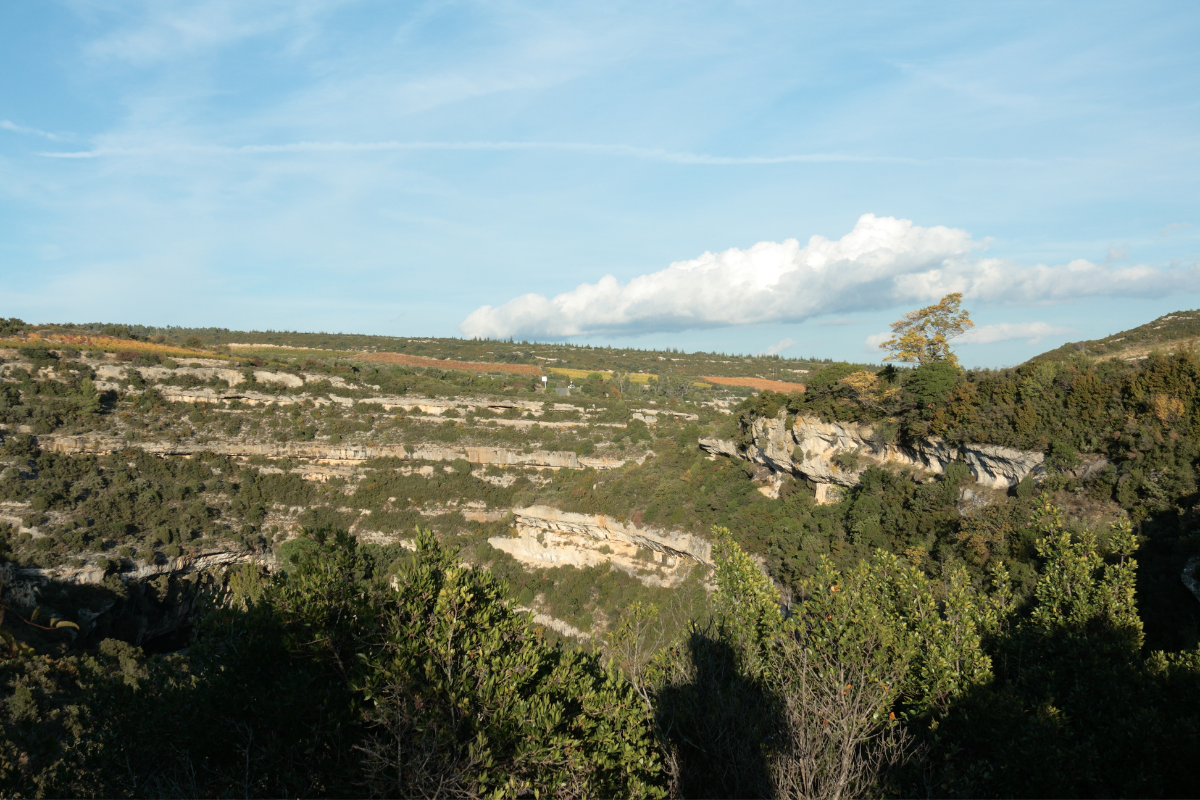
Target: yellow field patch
{"type": "Point", "coordinates": [605, 374]}
{"type": "Point", "coordinates": [582, 374]}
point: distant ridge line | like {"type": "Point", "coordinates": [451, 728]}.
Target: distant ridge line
{"type": "Point", "coordinates": [466, 366]}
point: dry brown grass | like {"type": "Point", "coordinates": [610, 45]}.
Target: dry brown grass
{"type": "Point", "coordinates": [1141, 351]}
{"type": "Point", "coordinates": [108, 344]}
{"type": "Point", "coordinates": [762, 384]}
{"type": "Point", "coordinates": [466, 366]}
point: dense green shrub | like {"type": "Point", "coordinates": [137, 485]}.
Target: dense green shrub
{"type": "Point", "coordinates": [932, 383]}
{"type": "Point", "coordinates": [464, 697]}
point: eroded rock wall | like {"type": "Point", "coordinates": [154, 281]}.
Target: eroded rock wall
{"type": "Point", "coordinates": [547, 537]}
{"type": "Point", "coordinates": [837, 453]}
{"type": "Point", "coordinates": [601, 527]}
{"type": "Point", "coordinates": [339, 453]}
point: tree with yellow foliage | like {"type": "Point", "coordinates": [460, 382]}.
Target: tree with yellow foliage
{"type": "Point", "coordinates": [923, 336]}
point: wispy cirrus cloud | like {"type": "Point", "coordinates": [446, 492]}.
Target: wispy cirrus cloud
{"type": "Point", "coordinates": [9, 125]}
{"type": "Point", "coordinates": [163, 29]}
{"type": "Point", "coordinates": [883, 262]}
{"type": "Point", "coordinates": [647, 153]}
{"type": "Point", "coordinates": [1174, 227]}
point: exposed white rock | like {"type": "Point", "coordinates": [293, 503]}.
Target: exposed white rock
{"type": "Point", "coordinates": [1191, 576]}
{"type": "Point", "coordinates": [1002, 467]}
{"type": "Point", "coordinates": [503, 481]}
{"type": "Point", "coordinates": [204, 394]}
{"type": "Point", "coordinates": [659, 412]}
{"type": "Point", "coordinates": [279, 378]}
{"type": "Point", "coordinates": [334, 380]}
{"type": "Point", "coordinates": [555, 624]}
{"type": "Point", "coordinates": [829, 493]}
{"type": "Point", "coordinates": [379, 537]}
{"type": "Point", "coordinates": [116, 372]}
{"type": "Point", "coordinates": [837, 453]}
{"type": "Point", "coordinates": [185, 564]}
{"type": "Point", "coordinates": [547, 537]}
{"type": "Point", "coordinates": [483, 514]}
{"type": "Point", "coordinates": [970, 501]}
{"type": "Point", "coordinates": [437, 407]}
{"type": "Point", "coordinates": [720, 447]}
{"type": "Point", "coordinates": [339, 453]}
{"type": "Point", "coordinates": [604, 528]}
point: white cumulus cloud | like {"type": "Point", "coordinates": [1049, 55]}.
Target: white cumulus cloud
{"type": "Point", "coordinates": [882, 263]}
{"type": "Point", "coordinates": [780, 346]}
{"type": "Point", "coordinates": [1031, 332]}
{"type": "Point", "coordinates": [876, 339]}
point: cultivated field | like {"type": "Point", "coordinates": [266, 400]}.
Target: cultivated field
{"type": "Point", "coordinates": [756, 383]}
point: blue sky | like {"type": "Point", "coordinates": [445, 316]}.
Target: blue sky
{"type": "Point", "coordinates": [419, 168]}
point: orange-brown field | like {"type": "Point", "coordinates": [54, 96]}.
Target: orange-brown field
{"type": "Point", "coordinates": [467, 366]}
{"type": "Point", "coordinates": [761, 384]}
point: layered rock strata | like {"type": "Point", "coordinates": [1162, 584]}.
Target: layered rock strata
{"type": "Point", "coordinates": [183, 565]}
{"type": "Point", "coordinates": [837, 453]}
{"type": "Point", "coordinates": [333, 453]}
{"type": "Point", "coordinates": [546, 537]}
{"type": "Point", "coordinates": [676, 544]}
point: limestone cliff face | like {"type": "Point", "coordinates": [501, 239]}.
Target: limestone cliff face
{"type": "Point", "coordinates": [183, 565]}
{"type": "Point", "coordinates": [140, 619]}
{"type": "Point", "coordinates": [600, 527]}
{"type": "Point", "coordinates": [116, 373]}
{"type": "Point", "coordinates": [811, 448]}
{"type": "Point", "coordinates": [335, 453]}
{"type": "Point", "coordinates": [1002, 467]}
{"type": "Point", "coordinates": [547, 537]}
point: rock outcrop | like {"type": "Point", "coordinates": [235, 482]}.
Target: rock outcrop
{"type": "Point", "coordinates": [559, 626]}
{"type": "Point", "coordinates": [333, 453]}
{"type": "Point", "coordinates": [1002, 467]}
{"type": "Point", "coordinates": [182, 565]}
{"type": "Point", "coordinates": [547, 537]}
{"type": "Point", "coordinates": [115, 373]}
{"type": "Point", "coordinates": [604, 528]}
{"type": "Point", "coordinates": [142, 619]}
{"type": "Point", "coordinates": [837, 453]}
{"type": "Point", "coordinates": [1191, 576]}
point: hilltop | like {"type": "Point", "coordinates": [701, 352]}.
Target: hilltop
{"type": "Point", "coordinates": [570, 360]}
{"type": "Point", "coordinates": [1168, 334]}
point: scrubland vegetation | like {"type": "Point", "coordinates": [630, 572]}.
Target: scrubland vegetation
{"type": "Point", "coordinates": [194, 604]}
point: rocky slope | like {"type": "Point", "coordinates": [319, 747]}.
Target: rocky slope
{"type": "Point", "coordinates": [1170, 333]}
{"type": "Point", "coordinates": [331, 453]}
{"type": "Point", "coordinates": [837, 453]}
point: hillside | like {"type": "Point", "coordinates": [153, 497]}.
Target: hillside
{"type": "Point", "coordinates": [465, 444]}
{"type": "Point", "coordinates": [574, 358]}
{"type": "Point", "coordinates": [1168, 334]}
{"type": "Point", "coordinates": [154, 484]}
